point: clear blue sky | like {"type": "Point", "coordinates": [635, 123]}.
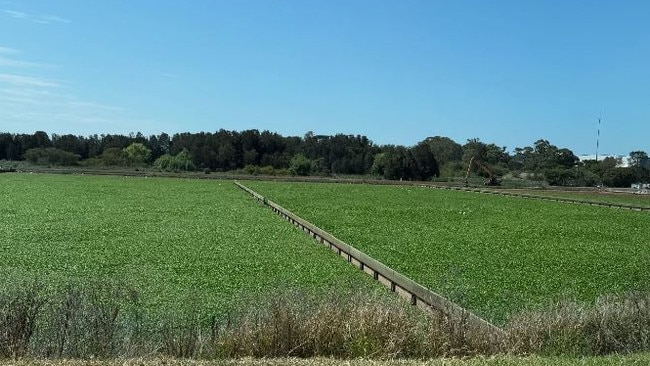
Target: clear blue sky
{"type": "Point", "coordinates": [508, 72]}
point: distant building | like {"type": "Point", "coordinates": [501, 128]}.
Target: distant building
{"type": "Point", "coordinates": [622, 161]}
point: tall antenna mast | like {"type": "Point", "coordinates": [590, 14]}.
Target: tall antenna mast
{"type": "Point", "coordinates": [598, 139]}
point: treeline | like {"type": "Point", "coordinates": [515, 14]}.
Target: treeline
{"type": "Point", "coordinates": [269, 153]}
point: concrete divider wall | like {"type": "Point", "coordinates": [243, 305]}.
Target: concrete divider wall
{"type": "Point", "coordinates": [417, 294]}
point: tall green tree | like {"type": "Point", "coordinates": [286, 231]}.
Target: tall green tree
{"type": "Point", "coordinates": [378, 164]}
{"type": "Point", "coordinates": [113, 156]}
{"type": "Point", "coordinates": [639, 159]}
{"type": "Point", "coordinates": [474, 148]}
{"type": "Point", "coordinates": [300, 165]}
{"type": "Point", "coordinates": [424, 164]}
{"type": "Point", "coordinates": [137, 153]}
{"type": "Point", "coordinates": [397, 163]}
{"type": "Point", "coordinates": [445, 149]}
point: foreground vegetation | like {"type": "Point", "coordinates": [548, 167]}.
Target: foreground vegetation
{"type": "Point", "coordinates": [496, 255]}
{"type": "Point", "coordinates": [640, 359]}
{"type": "Point", "coordinates": [104, 320]}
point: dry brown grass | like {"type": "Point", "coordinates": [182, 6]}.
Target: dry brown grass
{"type": "Point", "coordinates": [107, 322]}
{"type": "Point", "coordinates": [638, 359]}
{"type": "Point", "coordinates": [614, 324]}
{"type": "Point", "coordinates": [295, 325]}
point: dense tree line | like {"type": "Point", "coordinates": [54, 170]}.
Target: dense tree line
{"type": "Point", "coordinates": [265, 152]}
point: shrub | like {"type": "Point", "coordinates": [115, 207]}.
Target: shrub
{"type": "Point", "coordinates": [181, 161]}
{"type": "Point", "coordinates": [51, 156]}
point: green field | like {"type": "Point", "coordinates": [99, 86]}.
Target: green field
{"type": "Point", "coordinates": [496, 255]}
{"type": "Point", "coordinates": [219, 275]}
{"type": "Point", "coordinates": [173, 240]}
